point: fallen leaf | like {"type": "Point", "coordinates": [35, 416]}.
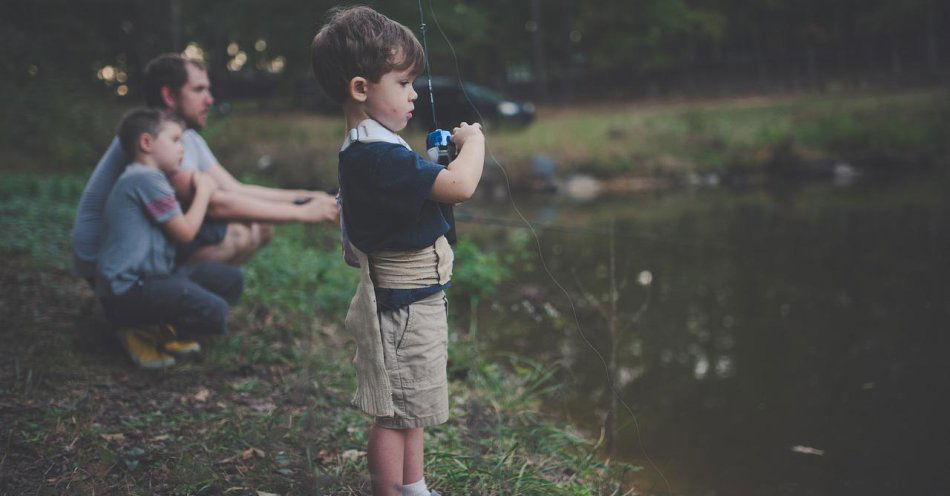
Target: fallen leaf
{"type": "Point", "coordinates": [807, 450]}
{"type": "Point", "coordinates": [263, 407]}
{"type": "Point", "coordinates": [202, 395]}
{"type": "Point", "coordinates": [248, 453]}
{"type": "Point", "coordinates": [352, 454]}
{"type": "Point", "coordinates": [326, 457]}
{"type": "Point", "coordinates": [98, 469]}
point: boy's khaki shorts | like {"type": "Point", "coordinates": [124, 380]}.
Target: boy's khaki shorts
{"type": "Point", "coordinates": [415, 340]}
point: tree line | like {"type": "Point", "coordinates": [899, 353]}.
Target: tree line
{"type": "Point", "coordinates": [550, 50]}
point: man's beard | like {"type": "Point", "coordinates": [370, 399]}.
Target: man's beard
{"type": "Point", "coordinates": [191, 123]}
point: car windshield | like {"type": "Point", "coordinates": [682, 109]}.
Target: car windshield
{"type": "Point", "coordinates": [481, 93]}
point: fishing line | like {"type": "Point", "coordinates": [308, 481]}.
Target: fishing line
{"type": "Point", "coordinates": [537, 240]}
{"type": "Point", "coordinates": [425, 53]}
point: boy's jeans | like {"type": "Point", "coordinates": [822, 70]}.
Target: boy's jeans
{"type": "Point", "coordinates": [194, 299]}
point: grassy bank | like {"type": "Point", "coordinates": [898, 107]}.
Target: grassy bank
{"type": "Point", "coordinates": [648, 139]}
{"type": "Point", "coordinates": [266, 410]}
{"type": "Point", "coordinates": [666, 140]}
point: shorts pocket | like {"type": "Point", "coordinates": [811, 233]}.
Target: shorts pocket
{"type": "Point", "coordinates": [422, 349]}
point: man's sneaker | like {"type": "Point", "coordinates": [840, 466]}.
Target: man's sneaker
{"type": "Point", "coordinates": [182, 349]}
{"type": "Point", "coordinates": [142, 347]}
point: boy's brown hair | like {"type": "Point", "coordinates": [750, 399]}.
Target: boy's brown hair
{"type": "Point", "coordinates": [139, 121]}
{"type": "Point", "coordinates": [358, 41]}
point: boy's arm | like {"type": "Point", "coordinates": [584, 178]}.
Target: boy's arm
{"type": "Point", "coordinates": [183, 228]}
{"type": "Point", "coordinates": [458, 181]}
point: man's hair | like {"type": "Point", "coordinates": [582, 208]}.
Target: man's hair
{"type": "Point", "coordinates": [168, 69]}
{"type": "Point", "coordinates": [358, 41]}
{"type": "Point", "coordinates": [139, 121]}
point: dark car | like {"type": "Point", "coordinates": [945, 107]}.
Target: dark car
{"type": "Point", "coordinates": [452, 106]}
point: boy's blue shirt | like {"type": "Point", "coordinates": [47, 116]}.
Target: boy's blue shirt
{"type": "Point", "coordinates": [386, 204]}
{"type": "Point", "coordinates": [133, 244]}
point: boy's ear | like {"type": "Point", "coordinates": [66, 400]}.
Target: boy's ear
{"type": "Point", "coordinates": [357, 88]}
{"type": "Point", "coordinates": [144, 143]}
{"type": "Point", "coordinates": [168, 97]}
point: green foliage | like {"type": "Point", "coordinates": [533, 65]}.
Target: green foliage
{"type": "Point", "coordinates": [36, 215]}
{"type": "Point", "coordinates": [477, 273]}
{"type": "Point", "coordinates": [506, 447]}
{"type": "Point", "coordinates": [274, 385]}
{"type": "Point", "coordinates": [296, 273]}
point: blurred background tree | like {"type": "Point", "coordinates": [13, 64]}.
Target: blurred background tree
{"type": "Point", "coordinates": [64, 61]}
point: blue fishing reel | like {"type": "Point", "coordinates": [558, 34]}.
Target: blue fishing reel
{"type": "Point", "coordinates": [439, 147]}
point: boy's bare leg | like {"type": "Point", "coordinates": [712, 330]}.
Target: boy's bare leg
{"type": "Point", "coordinates": [386, 451]}
{"type": "Point", "coordinates": [240, 242]}
{"type": "Point", "coordinates": [412, 461]}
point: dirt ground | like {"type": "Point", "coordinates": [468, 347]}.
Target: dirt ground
{"type": "Point", "coordinates": [76, 417]}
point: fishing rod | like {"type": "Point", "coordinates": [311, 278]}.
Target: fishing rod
{"type": "Point", "coordinates": [439, 145]}
{"type": "Point", "coordinates": [544, 265]}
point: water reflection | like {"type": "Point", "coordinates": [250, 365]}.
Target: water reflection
{"type": "Point", "coordinates": [792, 342]}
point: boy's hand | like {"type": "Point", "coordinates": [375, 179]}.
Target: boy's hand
{"type": "Point", "coordinates": [204, 182]}
{"type": "Point", "coordinates": [466, 132]}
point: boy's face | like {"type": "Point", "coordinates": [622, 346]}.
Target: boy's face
{"type": "Point", "coordinates": [194, 98]}
{"type": "Point", "coordinates": [390, 101]}
{"type": "Point", "coordinates": [167, 148]}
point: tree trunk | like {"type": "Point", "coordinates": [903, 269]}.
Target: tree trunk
{"type": "Point", "coordinates": [811, 66]}
{"type": "Point", "coordinates": [174, 11]}
{"type": "Point", "coordinates": [540, 57]}
{"type": "Point", "coordinates": [933, 59]}
{"type": "Point", "coordinates": [896, 63]}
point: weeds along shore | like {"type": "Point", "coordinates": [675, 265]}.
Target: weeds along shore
{"type": "Point", "coordinates": [267, 408]}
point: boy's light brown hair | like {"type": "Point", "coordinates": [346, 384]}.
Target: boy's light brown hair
{"type": "Point", "coordinates": [358, 41]}
{"type": "Point", "coordinates": [139, 121]}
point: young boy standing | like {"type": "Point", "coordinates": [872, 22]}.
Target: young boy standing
{"type": "Point", "coordinates": [393, 205]}
{"type": "Point", "coordinates": [136, 279]}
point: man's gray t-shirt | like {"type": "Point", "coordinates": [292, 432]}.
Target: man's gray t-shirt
{"type": "Point", "coordinates": [133, 242]}
{"type": "Point", "coordinates": [87, 229]}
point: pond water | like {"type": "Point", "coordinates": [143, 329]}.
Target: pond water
{"type": "Point", "coordinates": [793, 341]}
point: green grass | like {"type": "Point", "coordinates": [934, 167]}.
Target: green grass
{"type": "Point", "coordinates": [267, 409]}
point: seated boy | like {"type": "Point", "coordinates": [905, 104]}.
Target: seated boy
{"type": "Point", "coordinates": [153, 302]}
{"type": "Point", "coordinates": [395, 209]}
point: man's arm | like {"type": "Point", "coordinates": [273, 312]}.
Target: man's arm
{"type": "Point", "coordinates": [234, 205]}
{"type": "Point", "coordinates": [227, 182]}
